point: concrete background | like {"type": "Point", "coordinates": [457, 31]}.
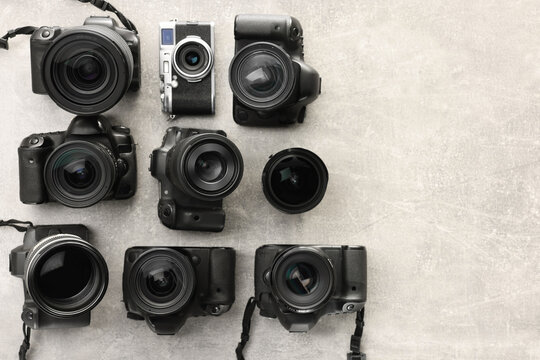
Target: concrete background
{"type": "Point", "coordinates": [428, 123]}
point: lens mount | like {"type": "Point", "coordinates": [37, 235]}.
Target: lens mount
{"type": "Point", "coordinates": [294, 180]}
{"type": "Point", "coordinates": [161, 281]}
{"type": "Point", "coordinates": [193, 58]}
{"type": "Point", "coordinates": [79, 173]}
{"type": "Point", "coordinates": [302, 278]}
{"type": "Point", "coordinates": [65, 275]}
{"type": "Point", "coordinates": [206, 166]}
{"type": "Point", "coordinates": [261, 76]}
{"type": "Point", "coordinates": [87, 69]}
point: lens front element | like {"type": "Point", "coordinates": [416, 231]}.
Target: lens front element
{"type": "Point", "coordinates": [301, 278]}
{"type": "Point", "coordinates": [193, 58]}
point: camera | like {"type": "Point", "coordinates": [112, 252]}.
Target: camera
{"type": "Point", "coordinates": [294, 180]}
{"type": "Point", "coordinates": [196, 170]}
{"type": "Point", "coordinates": [89, 162]}
{"type": "Point", "coordinates": [85, 69]}
{"type": "Point", "coordinates": [298, 284]}
{"type": "Point", "coordinates": [270, 81]}
{"type": "Point", "coordinates": [186, 67]}
{"type": "Point", "coordinates": [167, 285]}
{"type": "Point", "coordinates": [64, 276]}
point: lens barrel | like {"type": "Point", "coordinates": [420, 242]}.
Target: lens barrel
{"type": "Point", "coordinates": [294, 180]}
{"type": "Point", "coordinates": [79, 173]}
{"type": "Point", "coordinates": [261, 76]}
{"type": "Point", "coordinates": [206, 166]}
{"type": "Point", "coordinates": [87, 69]}
{"type": "Point", "coordinates": [65, 275]}
{"type": "Point", "coordinates": [161, 281]}
{"type": "Point", "coordinates": [193, 58]}
{"type": "Point", "coordinates": [302, 278]}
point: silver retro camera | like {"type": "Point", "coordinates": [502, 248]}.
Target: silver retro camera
{"type": "Point", "coordinates": [186, 67]}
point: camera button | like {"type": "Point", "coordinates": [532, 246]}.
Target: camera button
{"type": "Point", "coordinates": [166, 67]}
{"type": "Point", "coordinates": [45, 34]}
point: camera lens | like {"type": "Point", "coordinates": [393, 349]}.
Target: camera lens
{"type": "Point", "coordinates": [261, 76]}
{"type": "Point", "coordinates": [303, 278]}
{"type": "Point", "coordinates": [210, 166]}
{"type": "Point", "coordinates": [193, 58]}
{"type": "Point", "coordinates": [295, 180]}
{"type": "Point", "coordinates": [88, 69]}
{"type": "Point", "coordinates": [207, 166]}
{"type": "Point", "coordinates": [161, 281]}
{"type": "Point", "coordinates": [79, 174]}
{"type": "Point", "coordinates": [66, 275]}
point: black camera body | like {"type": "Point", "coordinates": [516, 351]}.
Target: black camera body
{"type": "Point", "coordinates": [21, 260]}
{"type": "Point", "coordinates": [41, 157]}
{"type": "Point", "coordinates": [186, 64]}
{"type": "Point", "coordinates": [186, 202]}
{"type": "Point", "coordinates": [102, 42]}
{"type": "Point", "coordinates": [208, 285]}
{"type": "Point", "coordinates": [274, 88]}
{"type": "Point", "coordinates": [338, 282]}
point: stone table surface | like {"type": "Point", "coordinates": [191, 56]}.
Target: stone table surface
{"type": "Point", "coordinates": [429, 125]}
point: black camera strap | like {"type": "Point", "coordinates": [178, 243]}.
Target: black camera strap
{"type": "Point", "coordinates": [16, 224]}
{"type": "Point", "coordinates": [100, 4]}
{"type": "Point", "coordinates": [105, 6]}
{"type": "Point", "coordinates": [356, 338]}
{"type": "Point", "coordinates": [246, 326]}
{"type": "Point", "coordinates": [21, 226]}
{"type": "Point", "coordinates": [24, 30]}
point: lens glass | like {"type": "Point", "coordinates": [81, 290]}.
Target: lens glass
{"type": "Point", "coordinates": [63, 273]}
{"type": "Point", "coordinates": [210, 166]}
{"type": "Point", "coordinates": [77, 171]}
{"type": "Point", "coordinates": [294, 180]}
{"type": "Point", "coordinates": [261, 76]}
{"type": "Point", "coordinates": [161, 281]}
{"type": "Point", "coordinates": [301, 278]}
{"type": "Point", "coordinates": [192, 59]}
{"type": "Point", "coordinates": [86, 71]}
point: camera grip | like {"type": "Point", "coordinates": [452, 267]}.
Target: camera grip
{"type": "Point", "coordinates": [31, 183]}
{"type": "Point", "coordinates": [267, 27]}
{"type": "Point", "coordinates": [222, 270]}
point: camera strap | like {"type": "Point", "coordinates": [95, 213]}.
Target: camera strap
{"type": "Point", "coordinates": [246, 326]}
{"type": "Point", "coordinates": [24, 30]}
{"type": "Point", "coordinates": [356, 338]}
{"type": "Point", "coordinates": [105, 6]}
{"type": "Point", "coordinates": [17, 224]}
{"type": "Point", "coordinates": [21, 226]}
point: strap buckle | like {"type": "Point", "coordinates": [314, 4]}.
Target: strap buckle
{"type": "Point", "coordinates": [353, 356]}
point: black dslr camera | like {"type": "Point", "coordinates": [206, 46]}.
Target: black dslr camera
{"type": "Point", "coordinates": [167, 285]}
{"type": "Point", "coordinates": [299, 284]}
{"type": "Point", "coordinates": [64, 276]}
{"type": "Point", "coordinates": [89, 162]}
{"type": "Point", "coordinates": [186, 67]}
{"type": "Point", "coordinates": [86, 69]}
{"type": "Point", "coordinates": [271, 83]}
{"type": "Point", "coordinates": [196, 170]}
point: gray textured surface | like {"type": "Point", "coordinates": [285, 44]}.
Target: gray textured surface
{"type": "Point", "coordinates": [429, 125]}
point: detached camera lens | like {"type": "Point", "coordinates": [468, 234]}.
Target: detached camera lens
{"type": "Point", "coordinates": [80, 174]}
{"type": "Point", "coordinates": [295, 180]}
{"type": "Point", "coordinates": [65, 275]}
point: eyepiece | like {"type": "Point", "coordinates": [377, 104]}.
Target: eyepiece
{"type": "Point", "coordinates": [65, 275]}
{"type": "Point", "coordinates": [294, 180]}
